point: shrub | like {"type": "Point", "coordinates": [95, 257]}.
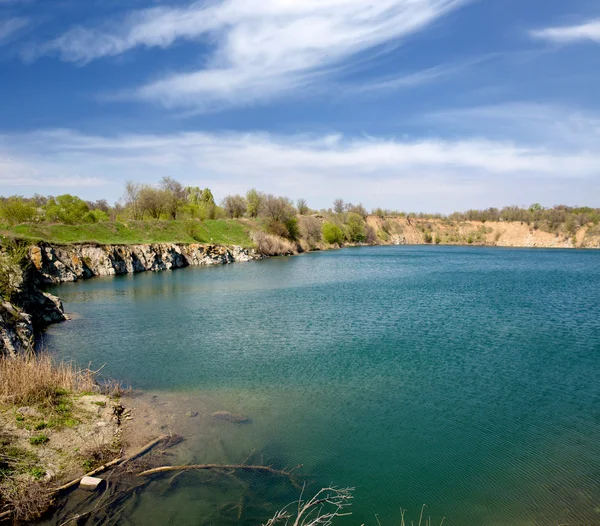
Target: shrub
{"type": "Point", "coordinates": [39, 440]}
{"type": "Point", "coordinates": [356, 228]}
{"type": "Point", "coordinates": [310, 229]}
{"type": "Point", "coordinates": [270, 245]}
{"type": "Point", "coordinates": [333, 234]}
{"type": "Point", "coordinates": [427, 237]}
{"type": "Point", "coordinates": [16, 210]}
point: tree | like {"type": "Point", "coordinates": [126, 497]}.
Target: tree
{"type": "Point", "coordinates": [333, 234]}
{"type": "Point", "coordinates": [174, 195]}
{"type": "Point", "coordinates": [277, 208]}
{"type": "Point", "coordinates": [338, 206]}
{"type": "Point", "coordinates": [302, 207]}
{"type": "Point", "coordinates": [356, 228]}
{"type": "Point", "coordinates": [357, 209]}
{"type": "Point", "coordinates": [68, 209]}
{"type": "Point", "coordinates": [254, 200]}
{"type": "Point", "coordinates": [152, 201]}
{"type": "Point", "coordinates": [235, 206]}
{"type": "Point", "coordinates": [17, 210]}
{"type": "Point", "coordinates": [132, 200]}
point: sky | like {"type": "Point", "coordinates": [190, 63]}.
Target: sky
{"type": "Point", "coordinates": [415, 105]}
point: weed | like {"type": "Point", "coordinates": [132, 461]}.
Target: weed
{"type": "Point", "coordinates": [39, 440]}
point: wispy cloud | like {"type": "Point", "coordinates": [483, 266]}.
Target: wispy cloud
{"type": "Point", "coordinates": [567, 34]}
{"type": "Point", "coordinates": [9, 27]}
{"type": "Point", "coordinates": [431, 174]}
{"type": "Point", "coordinates": [257, 49]}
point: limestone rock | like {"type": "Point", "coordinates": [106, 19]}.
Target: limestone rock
{"type": "Point", "coordinates": [91, 483]}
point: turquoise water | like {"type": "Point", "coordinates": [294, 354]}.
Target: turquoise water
{"type": "Point", "coordinates": [463, 378]}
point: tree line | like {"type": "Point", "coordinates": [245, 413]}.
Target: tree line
{"type": "Point", "coordinates": [277, 215]}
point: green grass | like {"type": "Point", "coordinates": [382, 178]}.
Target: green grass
{"type": "Point", "coordinates": [218, 232]}
{"type": "Point", "coordinates": [39, 440]}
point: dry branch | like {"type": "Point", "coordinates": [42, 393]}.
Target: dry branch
{"type": "Point", "coordinates": [115, 462]}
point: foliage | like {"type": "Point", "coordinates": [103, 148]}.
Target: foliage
{"type": "Point", "coordinates": [356, 231]}
{"type": "Point", "coordinates": [333, 234]}
{"type": "Point", "coordinates": [16, 209]}
{"type": "Point", "coordinates": [68, 209]}
{"type": "Point", "coordinates": [254, 201]}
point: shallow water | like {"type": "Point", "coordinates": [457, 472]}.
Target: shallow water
{"type": "Point", "coordinates": [464, 378]}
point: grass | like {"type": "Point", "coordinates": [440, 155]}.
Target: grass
{"type": "Point", "coordinates": [39, 440]}
{"type": "Point", "coordinates": [46, 389]}
{"type": "Point", "coordinates": [218, 232]}
{"type": "Point", "coordinates": [35, 380]}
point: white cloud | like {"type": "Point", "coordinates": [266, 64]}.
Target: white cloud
{"type": "Point", "coordinates": [426, 174]}
{"type": "Point", "coordinates": [568, 34]}
{"type": "Point", "coordinates": [11, 26]}
{"type": "Point", "coordinates": [259, 49]}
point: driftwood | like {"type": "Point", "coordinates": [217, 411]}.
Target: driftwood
{"type": "Point", "coordinates": [226, 467]}
{"type": "Point", "coordinates": [116, 462]}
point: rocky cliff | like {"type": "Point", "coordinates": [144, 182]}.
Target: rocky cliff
{"type": "Point", "coordinates": [58, 264]}
{"type": "Point", "coordinates": [32, 309]}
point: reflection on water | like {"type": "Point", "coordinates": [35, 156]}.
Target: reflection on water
{"type": "Point", "coordinates": [461, 378]}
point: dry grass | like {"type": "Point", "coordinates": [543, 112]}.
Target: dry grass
{"type": "Point", "coordinates": [270, 245]}
{"type": "Point", "coordinates": [34, 379]}
{"type": "Point", "coordinates": [27, 501]}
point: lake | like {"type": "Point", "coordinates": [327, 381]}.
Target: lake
{"type": "Point", "coordinates": [463, 378]}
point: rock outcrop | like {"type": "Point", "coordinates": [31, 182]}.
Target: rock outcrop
{"type": "Point", "coordinates": [58, 264]}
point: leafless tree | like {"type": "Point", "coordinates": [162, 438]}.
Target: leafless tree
{"type": "Point", "coordinates": [302, 207]}
{"type": "Point", "coordinates": [311, 230]}
{"type": "Point", "coordinates": [277, 208]}
{"type": "Point", "coordinates": [338, 206]}
{"type": "Point", "coordinates": [132, 199]}
{"type": "Point", "coordinates": [152, 201]}
{"type": "Point", "coordinates": [234, 205]}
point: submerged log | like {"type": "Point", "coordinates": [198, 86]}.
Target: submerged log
{"type": "Point", "coordinates": [218, 467]}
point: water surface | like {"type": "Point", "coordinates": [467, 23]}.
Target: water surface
{"type": "Point", "coordinates": [464, 378]}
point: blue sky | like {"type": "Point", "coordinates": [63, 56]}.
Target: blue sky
{"type": "Point", "coordinates": [425, 105]}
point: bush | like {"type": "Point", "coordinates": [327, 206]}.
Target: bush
{"type": "Point", "coordinates": [16, 210]}
{"type": "Point", "coordinates": [333, 234]}
{"type": "Point", "coordinates": [356, 228]}
{"type": "Point", "coordinates": [270, 245]}
{"type": "Point", "coordinates": [66, 209]}
{"type": "Point", "coordinates": [427, 237]}
{"type": "Point", "coordinates": [310, 229]}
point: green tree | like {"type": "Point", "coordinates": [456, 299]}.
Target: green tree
{"type": "Point", "coordinates": [356, 228]}
{"type": "Point", "coordinates": [67, 209]}
{"type": "Point", "coordinates": [254, 200]}
{"type": "Point", "coordinates": [17, 210]}
{"type": "Point", "coordinates": [333, 234]}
